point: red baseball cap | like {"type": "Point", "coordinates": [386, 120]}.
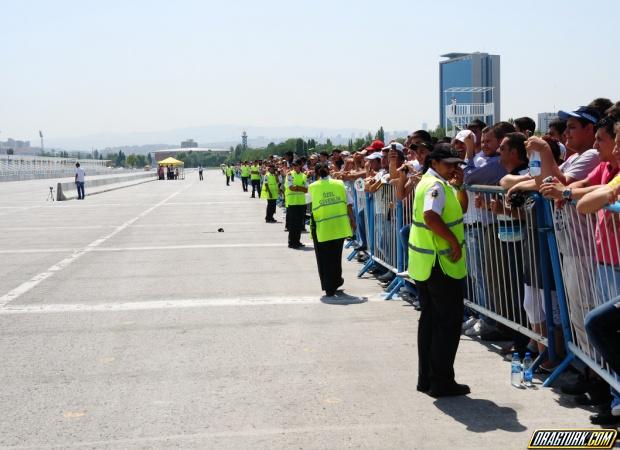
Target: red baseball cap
{"type": "Point", "coordinates": [376, 145]}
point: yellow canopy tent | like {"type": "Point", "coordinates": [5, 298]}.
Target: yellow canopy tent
{"type": "Point", "coordinates": [178, 173]}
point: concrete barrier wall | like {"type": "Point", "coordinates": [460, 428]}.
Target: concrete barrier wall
{"type": "Point", "coordinates": [68, 190]}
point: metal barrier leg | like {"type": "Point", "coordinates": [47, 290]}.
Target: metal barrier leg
{"type": "Point", "coordinates": [352, 255]}
{"type": "Point", "coordinates": [393, 288]}
{"type": "Point", "coordinates": [558, 371]}
{"type": "Point", "coordinates": [350, 243]}
{"type": "Point", "coordinates": [366, 267]}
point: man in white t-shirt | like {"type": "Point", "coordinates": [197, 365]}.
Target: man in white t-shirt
{"type": "Point", "coordinates": [79, 181]}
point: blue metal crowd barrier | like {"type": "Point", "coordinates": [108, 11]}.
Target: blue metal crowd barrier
{"type": "Point", "coordinates": [517, 270]}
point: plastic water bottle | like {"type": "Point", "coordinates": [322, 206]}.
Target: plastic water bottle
{"type": "Point", "coordinates": [535, 164]}
{"type": "Point", "coordinates": [527, 370]}
{"type": "Point", "coordinates": [515, 370]}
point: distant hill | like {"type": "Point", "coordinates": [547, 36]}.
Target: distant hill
{"type": "Point", "coordinates": [208, 136]}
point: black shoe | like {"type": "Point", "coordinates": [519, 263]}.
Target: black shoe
{"type": "Point", "coordinates": [330, 293]}
{"type": "Point", "coordinates": [449, 391]}
{"type": "Point", "coordinates": [386, 277]}
{"type": "Point", "coordinates": [580, 386]}
{"type": "Point", "coordinates": [594, 398]}
{"type": "Point", "coordinates": [604, 418]}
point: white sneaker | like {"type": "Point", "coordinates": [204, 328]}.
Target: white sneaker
{"type": "Point", "coordinates": [469, 323]}
{"type": "Point", "coordinates": [475, 330]}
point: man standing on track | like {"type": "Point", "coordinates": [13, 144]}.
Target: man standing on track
{"type": "Point", "coordinates": [333, 220]}
{"type": "Point", "coordinates": [255, 178]}
{"type": "Point", "coordinates": [270, 191]}
{"type": "Point", "coordinates": [245, 174]}
{"type": "Point", "coordinates": [295, 194]}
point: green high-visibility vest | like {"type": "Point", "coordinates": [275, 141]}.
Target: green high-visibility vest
{"type": "Point", "coordinates": [245, 171]}
{"type": "Point", "coordinates": [229, 171]}
{"type": "Point", "coordinates": [255, 172]}
{"type": "Point", "coordinates": [295, 197]}
{"type": "Point", "coordinates": [271, 181]}
{"type": "Point", "coordinates": [425, 247]}
{"type": "Point", "coordinates": [330, 214]}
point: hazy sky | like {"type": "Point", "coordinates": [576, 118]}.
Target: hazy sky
{"type": "Point", "coordinates": [74, 68]}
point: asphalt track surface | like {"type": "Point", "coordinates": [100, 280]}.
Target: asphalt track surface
{"type": "Point", "coordinates": [128, 321]}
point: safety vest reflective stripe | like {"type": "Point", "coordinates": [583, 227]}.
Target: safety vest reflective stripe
{"type": "Point", "coordinates": [427, 251]}
{"type": "Point", "coordinates": [331, 218]}
{"type": "Point", "coordinates": [423, 225]}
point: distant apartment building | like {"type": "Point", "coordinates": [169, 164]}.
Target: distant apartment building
{"type": "Point", "coordinates": [14, 144]}
{"type": "Point", "coordinates": [469, 88]}
{"type": "Point", "coordinates": [544, 119]}
{"type": "Point", "coordinates": [190, 143]}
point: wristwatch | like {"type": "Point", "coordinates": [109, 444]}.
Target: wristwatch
{"type": "Point", "coordinates": [567, 194]}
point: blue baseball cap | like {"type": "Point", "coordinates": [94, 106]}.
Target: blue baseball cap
{"type": "Point", "coordinates": [584, 112]}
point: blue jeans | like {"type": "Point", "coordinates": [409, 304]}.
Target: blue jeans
{"type": "Point", "coordinates": [80, 189]}
{"type": "Point", "coordinates": [603, 328]}
{"type": "Point", "coordinates": [361, 227]}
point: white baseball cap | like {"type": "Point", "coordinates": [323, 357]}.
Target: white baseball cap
{"type": "Point", "coordinates": [461, 135]}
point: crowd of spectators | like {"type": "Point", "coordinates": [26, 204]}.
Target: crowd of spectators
{"type": "Point", "coordinates": [579, 160]}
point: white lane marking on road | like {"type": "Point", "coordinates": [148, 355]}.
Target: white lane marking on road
{"type": "Point", "coordinates": [184, 303]}
{"type": "Point", "coordinates": [34, 281]}
{"type": "Point", "coordinates": [145, 248]}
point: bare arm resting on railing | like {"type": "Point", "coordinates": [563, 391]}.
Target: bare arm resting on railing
{"type": "Point", "coordinates": [597, 199]}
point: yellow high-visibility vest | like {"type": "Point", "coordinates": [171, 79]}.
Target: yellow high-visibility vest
{"type": "Point", "coordinates": [330, 213]}
{"type": "Point", "coordinates": [426, 247]}
{"type": "Point", "coordinates": [295, 197]}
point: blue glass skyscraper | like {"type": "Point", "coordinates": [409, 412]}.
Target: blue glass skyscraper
{"type": "Point", "coordinates": [465, 72]}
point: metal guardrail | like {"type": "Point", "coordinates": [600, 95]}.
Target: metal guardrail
{"type": "Point", "coordinates": [25, 167]}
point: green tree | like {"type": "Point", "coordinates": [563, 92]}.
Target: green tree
{"type": "Point", "coordinates": [149, 159]}
{"type": "Point", "coordinates": [438, 132]}
{"type": "Point", "coordinates": [130, 161]}
{"type": "Point", "coordinates": [380, 134]}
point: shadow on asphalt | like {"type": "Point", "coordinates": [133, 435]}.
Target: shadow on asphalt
{"type": "Point", "coordinates": [343, 299]}
{"type": "Point", "coordinates": [479, 415]}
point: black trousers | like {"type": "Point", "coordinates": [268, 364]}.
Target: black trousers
{"type": "Point", "coordinates": [200, 174]}
{"type": "Point", "coordinates": [255, 187]}
{"type": "Point", "coordinates": [244, 184]}
{"type": "Point", "coordinates": [227, 180]}
{"type": "Point", "coordinates": [232, 177]}
{"type": "Point", "coordinates": [295, 219]}
{"type": "Point", "coordinates": [439, 327]}
{"type": "Point", "coordinates": [329, 262]}
{"type": "Point", "coordinates": [271, 210]}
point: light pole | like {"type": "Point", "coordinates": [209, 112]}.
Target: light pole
{"type": "Point", "coordinates": [41, 136]}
